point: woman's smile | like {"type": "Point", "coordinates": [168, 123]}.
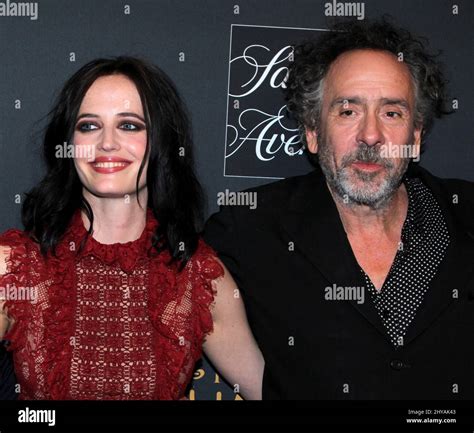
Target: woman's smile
{"type": "Point", "coordinates": [109, 164]}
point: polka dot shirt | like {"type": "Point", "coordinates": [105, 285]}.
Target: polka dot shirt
{"type": "Point", "coordinates": [424, 240]}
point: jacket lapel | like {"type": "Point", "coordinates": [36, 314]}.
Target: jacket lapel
{"type": "Point", "coordinates": [454, 272]}
{"type": "Point", "coordinates": [312, 222]}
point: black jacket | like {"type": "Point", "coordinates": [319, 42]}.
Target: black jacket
{"type": "Point", "coordinates": [7, 376]}
{"type": "Point", "coordinates": [292, 246]}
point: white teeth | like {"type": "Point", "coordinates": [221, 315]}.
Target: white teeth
{"type": "Point", "coordinates": [110, 164]}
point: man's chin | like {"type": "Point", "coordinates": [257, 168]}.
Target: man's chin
{"type": "Point", "coordinates": [370, 182]}
{"type": "Point", "coordinates": [373, 195]}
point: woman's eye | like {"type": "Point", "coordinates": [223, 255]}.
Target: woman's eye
{"type": "Point", "coordinates": [86, 127]}
{"type": "Point", "coordinates": [131, 127]}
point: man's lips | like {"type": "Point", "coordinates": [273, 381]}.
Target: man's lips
{"type": "Point", "coordinates": [368, 166]}
{"type": "Point", "coordinates": [109, 164]}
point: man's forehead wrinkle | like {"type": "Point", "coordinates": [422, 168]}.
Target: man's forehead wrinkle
{"type": "Point", "coordinates": [364, 84]}
{"type": "Point", "coordinates": [357, 100]}
{"type": "Point", "coordinates": [367, 61]}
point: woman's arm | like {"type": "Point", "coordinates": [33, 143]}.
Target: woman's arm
{"type": "Point", "coordinates": [231, 346]}
{"type": "Point", "coordinates": [4, 253]}
{"type": "Point", "coordinates": [4, 321]}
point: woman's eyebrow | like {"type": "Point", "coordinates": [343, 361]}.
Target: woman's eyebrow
{"type": "Point", "coordinates": [86, 115]}
{"type": "Point", "coordinates": [124, 114]}
{"type": "Point", "coordinates": [131, 114]}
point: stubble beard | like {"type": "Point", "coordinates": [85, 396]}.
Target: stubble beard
{"type": "Point", "coordinates": [341, 178]}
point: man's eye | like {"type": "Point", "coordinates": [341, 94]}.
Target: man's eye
{"type": "Point", "coordinates": [393, 114]}
{"type": "Point", "coordinates": [131, 126]}
{"type": "Point", "coordinates": [86, 127]}
{"type": "Point", "coordinates": [347, 113]}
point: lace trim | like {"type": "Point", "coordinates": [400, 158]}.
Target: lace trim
{"type": "Point", "coordinates": [178, 308]}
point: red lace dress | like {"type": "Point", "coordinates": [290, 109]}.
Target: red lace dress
{"type": "Point", "coordinates": [109, 322]}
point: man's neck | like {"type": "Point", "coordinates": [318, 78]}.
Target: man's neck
{"type": "Point", "coordinates": [364, 221]}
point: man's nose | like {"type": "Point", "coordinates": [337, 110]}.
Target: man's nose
{"type": "Point", "coordinates": [370, 131]}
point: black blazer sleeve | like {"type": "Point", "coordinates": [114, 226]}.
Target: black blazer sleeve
{"type": "Point", "coordinates": [221, 233]}
{"type": "Point", "coordinates": [7, 376]}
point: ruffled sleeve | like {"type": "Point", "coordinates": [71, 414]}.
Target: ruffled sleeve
{"type": "Point", "coordinates": [198, 275]}
{"type": "Point", "coordinates": [180, 308]}
{"type": "Point", "coordinates": [19, 285]}
{"type": "Point", "coordinates": [203, 270]}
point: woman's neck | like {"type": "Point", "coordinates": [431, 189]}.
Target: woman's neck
{"type": "Point", "coordinates": [116, 220]}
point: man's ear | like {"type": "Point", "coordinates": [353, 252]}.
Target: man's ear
{"type": "Point", "coordinates": [417, 143]}
{"type": "Point", "coordinates": [312, 140]}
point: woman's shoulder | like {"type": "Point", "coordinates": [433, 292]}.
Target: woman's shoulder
{"type": "Point", "coordinates": [13, 237]}
{"type": "Point", "coordinates": [14, 242]}
{"type": "Point", "coordinates": [205, 261]}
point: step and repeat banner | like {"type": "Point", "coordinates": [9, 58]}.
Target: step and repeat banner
{"type": "Point", "coordinates": [229, 60]}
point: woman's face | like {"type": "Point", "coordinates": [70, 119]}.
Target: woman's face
{"type": "Point", "coordinates": [111, 126]}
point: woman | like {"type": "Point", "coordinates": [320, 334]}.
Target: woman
{"type": "Point", "coordinates": [116, 286]}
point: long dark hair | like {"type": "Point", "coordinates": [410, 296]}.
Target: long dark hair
{"type": "Point", "coordinates": [174, 193]}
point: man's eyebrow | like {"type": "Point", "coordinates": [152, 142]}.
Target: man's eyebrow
{"type": "Point", "coordinates": [346, 100]}
{"type": "Point", "coordinates": [395, 101]}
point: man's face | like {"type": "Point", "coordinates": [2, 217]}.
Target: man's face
{"type": "Point", "coordinates": [367, 121]}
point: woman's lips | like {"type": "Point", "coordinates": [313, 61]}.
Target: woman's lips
{"type": "Point", "coordinates": [368, 166]}
{"type": "Point", "coordinates": [105, 166]}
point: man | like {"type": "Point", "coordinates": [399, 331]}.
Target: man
{"type": "Point", "coordinates": [358, 277]}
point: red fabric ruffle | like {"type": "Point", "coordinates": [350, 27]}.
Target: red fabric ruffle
{"type": "Point", "coordinates": [178, 307]}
